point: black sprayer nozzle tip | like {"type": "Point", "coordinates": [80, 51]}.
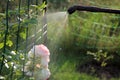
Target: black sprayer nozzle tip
{"type": "Point", "coordinates": [71, 9]}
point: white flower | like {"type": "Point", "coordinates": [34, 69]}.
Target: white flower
{"type": "Point", "coordinates": [12, 63]}
{"type": "Point", "coordinates": [30, 55]}
{"type": "Point", "coordinates": [2, 77]}
{"type": "Point", "coordinates": [26, 68]}
{"type": "Point", "coordinates": [100, 51]}
{"type": "Point", "coordinates": [10, 57]}
{"type": "Point", "coordinates": [13, 53]}
{"type": "Point", "coordinates": [29, 73]}
{"type": "Point", "coordinates": [15, 67]}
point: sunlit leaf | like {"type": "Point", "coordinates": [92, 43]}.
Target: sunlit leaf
{"type": "Point", "coordinates": [1, 45]}
{"type": "Point", "coordinates": [22, 11]}
{"type": "Point", "coordinates": [43, 5]}
{"type": "Point", "coordinates": [9, 43]}
{"type": "Point", "coordinates": [32, 78]}
{"type": "Point", "coordinates": [2, 14]}
{"type": "Point", "coordinates": [35, 6]}
{"type": "Point", "coordinates": [23, 35]}
{"type": "Point", "coordinates": [103, 64]}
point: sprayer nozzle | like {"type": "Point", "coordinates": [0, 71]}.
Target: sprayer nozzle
{"type": "Point", "coordinates": [71, 9]}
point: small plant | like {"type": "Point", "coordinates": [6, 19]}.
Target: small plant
{"type": "Point", "coordinates": [101, 57]}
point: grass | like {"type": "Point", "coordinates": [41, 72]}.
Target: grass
{"type": "Point", "coordinates": [64, 67]}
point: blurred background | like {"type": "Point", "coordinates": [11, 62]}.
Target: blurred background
{"type": "Point", "coordinates": [83, 45]}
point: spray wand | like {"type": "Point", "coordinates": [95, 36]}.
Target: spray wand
{"type": "Point", "coordinates": [91, 9]}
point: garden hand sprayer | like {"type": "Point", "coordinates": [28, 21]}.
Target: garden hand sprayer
{"type": "Point", "coordinates": [91, 9]}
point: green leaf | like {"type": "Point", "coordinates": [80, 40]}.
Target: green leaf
{"type": "Point", "coordinates": [103, 64]}
{"type": "Point", "coordinates": [6, 64]}
{"type": "Point", "coordinates": [1, 45]}
{"type": "Point", "coordinates": [32, 78]}
{"type": "Point", "coordinates": [9, 43]}
{"type": "Point", "coordinates": [43, 5]}
{"type": "Point", "coordinates": [22, 11]}
{"type": "Point", "coordinates": [23, 35]}
{"type": "Point", "coordinates": [40, 7]}
{"type": "Point", "coordinates": [30, 21]}
{"type": "Point", "coordinates": [35, 6]}
{"type": "Point", "coordinates": [33, 20]}
{"type": "Point", "coordinates": [2, 14]}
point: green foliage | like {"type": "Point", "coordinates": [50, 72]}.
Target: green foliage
{"type": "Point", "coordinates": [101, 57]}
{"type": "Point", "coordinates": [58, 4]}
{"type": "Point", "coordinates": [9, 43]}
{"type": "Point", "coordinates": [39, 7]}
{"type": "Point", "coordinates": [73, 76]}
{"type": "Point", "coordinates": [16, 37]}
{"type": "Point", "coordinates": [64, 67]}
{"type": "Point", "coordinates": [1, 45]}
{"type": "Point", "coordinates": [58, 1]}
{"type": "Point", "coordinates": [92, 31]}
{"type": "Point", "coordinates": [23, 35]}
{"type": "Point", "coordinates": [2, 15]}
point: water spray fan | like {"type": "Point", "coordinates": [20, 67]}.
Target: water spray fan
{"type": "Point", "coordinates": [91, 9]}
{"type": "Point", "coordinates": [95, 32]}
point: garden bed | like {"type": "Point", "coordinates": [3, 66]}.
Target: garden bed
{"type": "Point", "coordinates": [93, 68]}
